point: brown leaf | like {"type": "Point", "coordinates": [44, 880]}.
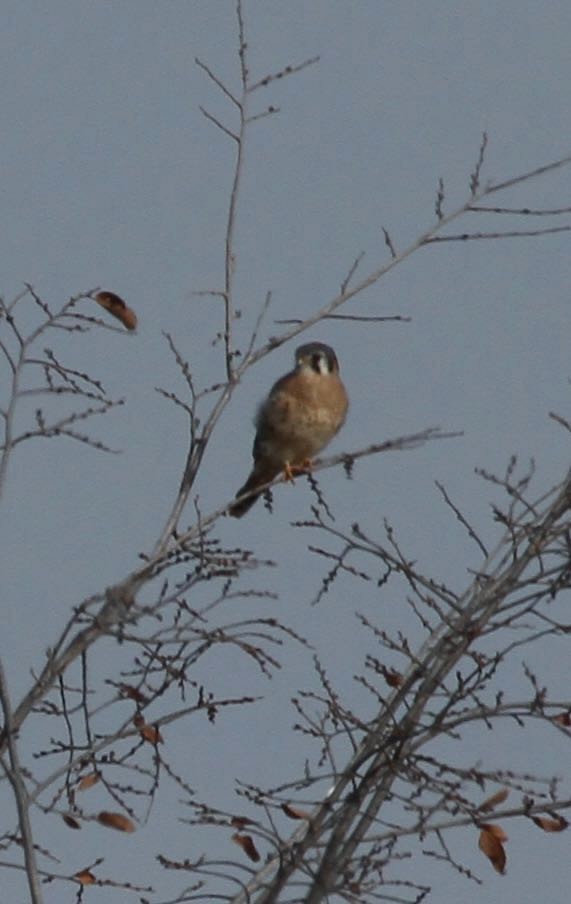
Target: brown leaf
{"type": "Point", "coordinates": [88, 781]}
{"type": "Point", "coordinates": [148, 732]}
{"type": "Point", "coordinates": [393, 678]}
{"type": "Point", "coordinates": [491, 802]}
{"type": "Point", "coordinates": [494, 830]}
{"type": "Point", "coordinates": [563, 719]}
{"type": "Point", "coordinates": [238, 822]}
{"type": "Point", "coordinates": [295, 812]}
{"type": "Point", "coordinates": [117, 307]}
{"type": "Point", "coordinates": [116, 821]}
{"type": "Point", "coordinates": [151, 734]}
{"type": "Point", "coordinates": [246, 842]}
{"type": "Point", "coordinates": [133, 693]}
{"type": "Point", "coordinates": [558, 824]}
{"type": "Point", "coordinates": [70, 821]}
{"type": "Point", "coordinates": [490, 843]}
{"type": "Point", "coordinates": [85, 877]}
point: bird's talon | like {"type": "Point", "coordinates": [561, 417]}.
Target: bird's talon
{"type": "Point", "coordinates": [293, 471]}
{"type": "Point", "coordinates": [289, 473]}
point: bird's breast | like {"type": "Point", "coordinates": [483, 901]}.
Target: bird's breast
{"type": "Point", "coordinates": [300, 418]}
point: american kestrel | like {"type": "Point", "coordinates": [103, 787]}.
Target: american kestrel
{"type": "Point", "coordinates": [302, 413]}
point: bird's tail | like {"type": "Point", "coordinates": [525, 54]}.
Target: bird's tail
{"type": "Point", "coordinates": [255, 480]}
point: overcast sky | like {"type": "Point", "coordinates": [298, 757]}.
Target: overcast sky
{"type": "Point", "coordinates": [112, 177]}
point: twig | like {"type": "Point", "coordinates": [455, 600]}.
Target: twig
{"type": "Point", "coordinates": [217, 122]}
{"type": "Point", "coordinates": [287, 70]}
{"type": "Point", "coordinates": [471, 532]}
{"type": "Point", "coordinates": [389, 243]}
{"type": "Point", "coordinates": [360, 318]}
{"type": "Point", "coordinates": [521, 211]}
{"type": "Point", "coordinates": [224, 88]}
{"type": "Point", "coordinates": [475, 176]}
{"type": "Point", "coordinates": [14, 775]}
{"type": "Point", "coordinates": [527, 176]}
{"type": "Point", "coordinates": [352, 271]}
{"type": "Point", "coordinates": [513, 234]}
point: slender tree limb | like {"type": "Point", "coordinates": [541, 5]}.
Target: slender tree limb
{"type": "Point", "coordinates": [14, 775]}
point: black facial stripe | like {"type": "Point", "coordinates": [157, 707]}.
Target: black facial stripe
{"type": "Point", "coordinates": [320, 357]}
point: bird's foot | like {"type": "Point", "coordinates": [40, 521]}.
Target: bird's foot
{"type": "Point", "coordinates": [293, 471]}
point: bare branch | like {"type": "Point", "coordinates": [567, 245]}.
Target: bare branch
{"type": "Point", "coordinates": [216, 122]}
{"type": "Point", "coordinates": [358, 318]}
{"type": "Point", "coordinates": [217, 81]}
{"type": "Point", "coordinates": [527, 176]}
{"type": "Point", "coordinates": [287, 70]}
{"type": "Point", "coordinates": [475, 176]}
{"type": "Point", "coordinates": [471, 532]}
{"type": "Point", "coordinates": [521, 211]}
{"type": "Point", "coordinates": [512, 234]}
{"type": "Point", "coordinates": [14, 774]}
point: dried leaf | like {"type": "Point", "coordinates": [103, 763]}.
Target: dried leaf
{"type": "Point", "coordinates": [295, 812]}
{"type": "Point", "coordinates": [393, 678]}
{"type": "Point", "coordinates": [117, 307]}
{"type": "Point", "coordinates": [133, 693]}
{"type": "Point", "coordinates": [557, 824]}
{"type": "Point", "coordinates": [88, 781]}
{"type": "Point", "coordinates": [116, 821]}
{"type": "Point", "coordinates": [246, 842]}
{"type": "Point", "coordinates": [491, 802]}
{"type": "Point", "coordinates": [151, 734]}
{"type": "Point", "coordinates": [494, 830]}
{"type": "Point", "coordinates": [238, 822]}
{"type": "Point", "coordinates": [85, 877]}
{"type": "Point", "coordinates": [563, 719]}
{"type": "Point", "coordinates": [70, 821]}
{"type": "Point", "coordinates": [490, 843]}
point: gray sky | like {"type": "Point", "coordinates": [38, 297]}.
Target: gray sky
{"type": "Point", "coordinates": [111, 177]}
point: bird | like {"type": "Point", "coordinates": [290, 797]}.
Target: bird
{"type": "Point", "coordinates": [302, 413]}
